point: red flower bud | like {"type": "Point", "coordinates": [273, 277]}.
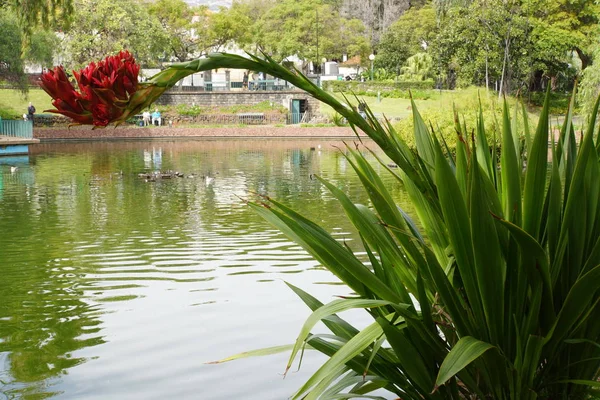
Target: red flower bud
{"type": "Point", "coordinates": [105, 89]}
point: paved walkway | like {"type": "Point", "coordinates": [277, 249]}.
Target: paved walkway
{"type": "Point", "coordinates": [86, 132]}
{"type": "Point", "coordinates": [10, 140]}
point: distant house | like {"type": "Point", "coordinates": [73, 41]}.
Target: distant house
{"type": "Point", "coordinates": [351, 67]}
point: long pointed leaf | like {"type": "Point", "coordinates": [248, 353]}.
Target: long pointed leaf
{"type": "Point", "coordinates": [467, 350]}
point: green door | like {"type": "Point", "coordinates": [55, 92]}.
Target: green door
{"type": "Point", "coordinates": [296, 116]}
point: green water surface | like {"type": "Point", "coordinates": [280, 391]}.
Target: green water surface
{"type": "Point", "coordinates": [114, 287]}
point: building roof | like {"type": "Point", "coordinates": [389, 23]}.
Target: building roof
{"type": "Point", "coordinates": [352, 62]}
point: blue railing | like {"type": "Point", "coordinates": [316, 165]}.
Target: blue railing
{"type": "Point", "coordinates": [16, 128]}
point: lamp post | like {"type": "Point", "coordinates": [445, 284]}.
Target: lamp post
{"type": "Point", "coordinates": [372, 57]}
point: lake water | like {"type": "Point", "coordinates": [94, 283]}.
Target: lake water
{"type": "Point", "coordinates": [113, 287]}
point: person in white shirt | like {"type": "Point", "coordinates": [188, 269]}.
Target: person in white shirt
{"type": "Point", "coordinates": [146, 118]}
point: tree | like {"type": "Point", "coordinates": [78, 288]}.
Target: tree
{"type": "Point", "coordinates": [483, 43]}
{"type": "Point", "coordinates": [419, 67]}
{"type": "Point", "coordinates": [185, 28]}
{"type": "Point", "coordinates": [230, 25]}
{"type": "Point", "coordinates": [102, 27]}
{"type": "Point", "coordinates": [309, 29]}
{"type": "Point", "coordinates": [42, 47]}
{"type": "Point", "coordinates": [410, 34]}
{"type": "Point", "coordinates": [563, 25]}
{"type": "Point", "coordinates": [590, 83]}
{"type": "Point", "coordinates": [516, 41]}
{"type": "Point", "coordinates": [11, 63]}
{"type": "Point", "coordinates": [20, 36]}
{"type": "Point", "coordinates": [40, 12]}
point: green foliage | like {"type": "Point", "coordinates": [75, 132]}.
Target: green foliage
{"type": "Point", "coordinates": [4, 114]}
{"type": "Point", "coordinates": [263, 106]}
{"type": "Point", "coordinates": [521, 42]}
{"type": "Point", "coordinates": [18, 45]}
{"type": "Point", "coordinates": [292, 27]}
{"type": "Point", "coordinates": [441, 118]}
{"type": "Point", "coordinates": [338, 120]}
{"type": "Point", "coordinates": [499, 302]}
{"type": "Point", "coordinates": [419, 67]}
{"type": "Point", "coordinates": [559, 102]}
{"type": "Point", "coordinates": [42, 48]}
{"type": "Point", "coordinates": [184, 109]}
{"type": "Point", "coordinates": [375, 86]}
{"type": "Point", "coordinates": [473, 41]}
{"type": "Point", "coordinates": [590, 85]}
{"type": "Point", "coordinates": [560, 26]}
{"type": "Point", "coordinates": [175, 17]}
{"type": "Point", "coordinates": [11, 64]}
{"type": "Point", "coordinates": [230, 26]}
{"type": "Point", "coordinates": [194, 110]}
{"type": "Point", "coordinates": [407, 36]}
{"type": "Point", "coordinates": [46, 13]}
{"type": "Point", "coordinates": [103, 27]}
{"type": "Point", "coordinates": [193, 30]}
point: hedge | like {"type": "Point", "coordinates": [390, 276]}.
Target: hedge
{"type": "Point", "coordinates": [374, 86]}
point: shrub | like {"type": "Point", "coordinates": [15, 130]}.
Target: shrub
{"type": "Point", "coordinates": [505, 286]}
{"type": "Point", "coordinates": [374, 86]}
{"type": "Point", "coordinates": [192, 111]}
{"type": "Point", "coordinates": [466, 105]}
{"type": "Point", "coordinates": [4, 114]}
{"type": "Point", "coordinates": [494, 295]}
{"type": "Point", "coordinates": [263, 106]}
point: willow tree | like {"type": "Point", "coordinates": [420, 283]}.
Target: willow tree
{"type": "Point", "coordinates": [40, 12]}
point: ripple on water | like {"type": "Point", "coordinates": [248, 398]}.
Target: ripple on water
{"type": "Point", "coordinates": [116, 288]}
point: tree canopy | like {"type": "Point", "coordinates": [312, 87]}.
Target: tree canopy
{"type": "Point", "coordinates": [509, 45]}
{"type": "Point", "coordinates": [104, 27]}
{"type": "Point", "coordinates": [310, 30]}
{"type": "Point", "coordinates": [11, 63]}
{"type": "Point", "coordinates": [410, 34]}
{"type": "Point", "coordinates": [40, 12]}
{"type": "Point", "coordinates": [184, 27]}
{"type": "Point", "coordinates": [512, 44]}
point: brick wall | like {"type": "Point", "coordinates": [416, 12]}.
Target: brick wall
{"type": "Point", "coordinates": [234, 98]}
{"type": "Point", "coordinates": [131, 132]}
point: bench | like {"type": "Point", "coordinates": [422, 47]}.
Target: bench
{"type": "Point", "coordinates": [251, 118]}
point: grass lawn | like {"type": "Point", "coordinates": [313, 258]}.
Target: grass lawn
{"type": "Point", "coordinates": [13, 104]}
{"type": "Point", "coordinates": [392, 108]}
{"type": "Point", "coordinates": [396, 108]}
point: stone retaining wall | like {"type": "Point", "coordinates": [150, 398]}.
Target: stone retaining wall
{"type": "Point", "coordinates": [86, 133]}
{"type": "Point", "coordinates": [220, 99]}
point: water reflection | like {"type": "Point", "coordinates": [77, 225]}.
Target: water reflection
{"type": "Point", "coordinates": [117, 287]}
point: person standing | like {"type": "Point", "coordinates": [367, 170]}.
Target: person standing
{"type": "Point", "coordinates": [30, 112]}
{"type": "Point", "coordinates": [245, 81]}
{"type": "Point", "coordinates": [146, 117]}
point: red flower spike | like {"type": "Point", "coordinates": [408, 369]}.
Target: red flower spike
{"type": "Point", "coordinates": [105, 89]}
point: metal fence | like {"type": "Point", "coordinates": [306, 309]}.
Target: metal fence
{"type": "Point", "coordinates": [257, 85]}
{"type": "Point", "coordinates": [16, 128]}
{"type": "Point", "coordinates": [250, 118]}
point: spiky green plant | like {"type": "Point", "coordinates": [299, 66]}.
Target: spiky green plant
{"type": "Point", "coordinates": [494, 296]}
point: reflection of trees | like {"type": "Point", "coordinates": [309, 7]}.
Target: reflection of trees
{"type": "Point", "coordinates": [279, 168]}
{"type": "Point", "coordinates": [43, 318]}
{"type": "Point", "coordinates": [79, 197]}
